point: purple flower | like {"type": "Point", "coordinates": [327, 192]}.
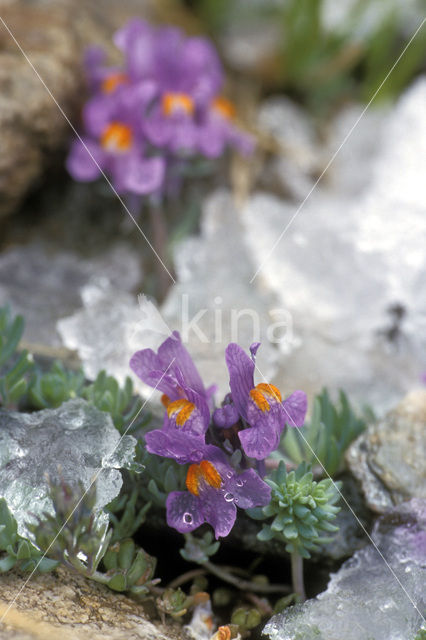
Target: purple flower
{"type": "Point", "coordinates": [218, 131]}
{"type": "Point", "coordinates": [113, 142]}
{"type": "Point", "coordinates": [179, 65]}
{"type": "Point", "coordinates": [187, 417]}
{"type": "Point", "coordinates": [160, 108]}
{"type": "Point", "coordinates": [182, 436]}
{"type": "Point", "coordinates": [215, 490]}
{"type": "Point", "coordinates": [260, 406]}
{"type": "Point", "coordinates": [171, 369]}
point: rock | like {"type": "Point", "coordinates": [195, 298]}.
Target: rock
{"type": "Point", "coordinates": [65, 605]}
{"type": "Point", "coordinates": [31, 124]}
{"type": "Point", "coordinates": [53, 35]}
{"type": "Point", "coordinates": [74, 442]}
{"type": "Point", "coordinates": [388, 459]}
{"type": "Point", "coordinates": [45, 286]}
{"type": "Point", "coordinates": [378, 594]}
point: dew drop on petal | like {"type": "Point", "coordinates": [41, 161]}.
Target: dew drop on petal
{"type": "Point", "coordinates": [187, 518]}
{"type": "Point", "coordinates": [228, 497]}
{"type": "Point", "coordinates": [229, 474]}
{"type": "Point", "coordinates": [239, 482]}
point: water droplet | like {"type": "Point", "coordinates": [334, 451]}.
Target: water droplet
{"type": "Point", "coordinates": [239, 482]}
{"type": "Point", "coordinates": [196, 455]}
{"type": "Point", "coordinates": [229, 474]}
{"type": "Point", "coordinates": [228, 497]}
{"type": "Point", "coordinates": [187, 518]}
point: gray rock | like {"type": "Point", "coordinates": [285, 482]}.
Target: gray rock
{"type": "Point", "coordinates": [73, 442]}
{"type": "Point", "coordinates": [376, 595]}
{"type": "Point", "coordinates": [389, 458]}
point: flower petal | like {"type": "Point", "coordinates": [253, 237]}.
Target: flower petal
{"type": "Point", "coordinates": [295, 407]}
{"type": "Point", "coordinates": [183, 511]}
{"type": "Point", "coordinates": [218, 511]}
{"type": "Point", "coordinates": [137, 41]}
{"type": "Point", "coordinates": [172, 351]}
{"type": "Point", "coordinates": [259, 440]}
{"type": "Point", "coordinates": [226, 416]}
{"type": "Point", "coordinates": [178, 445]}
{"type": "Point", "coordinates": [84, 160]}
{"type": "Point", "coordinates": [137, 174]}
{"type": "Point", "coordinates": [241, 372]}
{"type": "Point", "coordinates": [98, 113]}
{"type": "Point", "coordinates": [249, 490]}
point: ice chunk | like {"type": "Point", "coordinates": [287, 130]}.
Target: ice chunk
{"type": "Point", "coordinates": [75, 442]}
{"type": "Point", "coordinates": [45, 286]}
{"type": "Point", "coordinates": [294, 167]}
{"type": "Point", "coordinates": [214, 291]}
{"type": "Point", "coordinates": [378, 594]}
{"type": "Point", "coordinates": [349, 267]}
{"type": "Point", "coordinates": [109, 329]}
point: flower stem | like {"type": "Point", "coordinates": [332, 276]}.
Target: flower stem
{"type": "Point", "coordinates": [297, 575]}
{"type": "Point", "coordinates": [159, 240]}
{"type": "Point", "coordinates": [244, 585]}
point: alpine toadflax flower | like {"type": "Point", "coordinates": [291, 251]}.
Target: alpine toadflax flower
{"type": "Point", "coordinates": [187, 415]}
{"type": "Point", "coordinates": [160, 108]}
{"type": "Point", "coordinates": [260, 406]}
{"type": "Point", "coordinates": [217, 481]}
{"type": "Point", "coordinates": [215, 490]}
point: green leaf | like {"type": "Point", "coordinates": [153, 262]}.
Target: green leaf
{"type": "Point", "coordinates": [265, 534]}
{"type": "Point", "coordinates": [118, 582]}
{"type": "Point", "coordinates": [7, 563]}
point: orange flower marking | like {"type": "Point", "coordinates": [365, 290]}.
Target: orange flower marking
{"type": "Point", "coordinates": [183, 408]}
{"type": "Point", "coordinates": [270, 390]}
{"type": "Point", "coordinates": [210, 474]}
{"type": "Point", "coordinates": [193, 479]}
{"type": "Point", "coordinates": [117, 137]}
{"type": "Point", "coordinates": [198, 473]}
{"type": "Point", "coordinates": [165, 400]}
{"type": "Point", "coordinates": [259, 399]}
{"type": "Point", "coordinates": [175, 102]}
{"type": "Point", "coordinates": [263, 393]}
{"type": "Point", "coordinates": [225, 107]}
{"type": "Point", "coordinates": [114, 80]}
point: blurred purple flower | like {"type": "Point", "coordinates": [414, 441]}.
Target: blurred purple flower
{"type": "Point", "coordinates": [161, 107]}
{"type": "Point", "coordinates": [113, 143]}
{"type": "Point", "coordinates": [215, 490]}
{"type": "Point", "coordinates": [260, 406]}
{"type": "Point", "coordinates": [177, 64]}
